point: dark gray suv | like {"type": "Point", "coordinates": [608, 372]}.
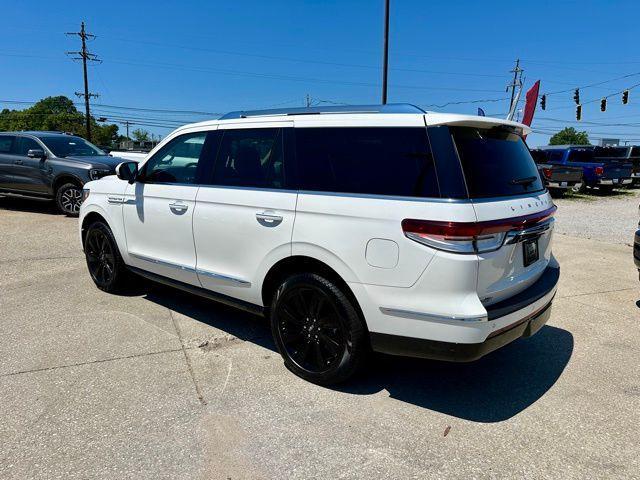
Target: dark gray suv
{"type": "Point", "coordinates": [51, 166]}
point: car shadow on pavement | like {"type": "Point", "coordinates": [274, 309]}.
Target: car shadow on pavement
{"type": "Point", "coordinates": [17, 204]}
{"type": "Point", "coordinates": [231, 321]}
{"type": "Point", "coordinates": [492, 389]}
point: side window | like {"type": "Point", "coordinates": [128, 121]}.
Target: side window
{"type": "Point", "coordinates": [6, 141]}
{"type": "Point", "coordinates": [176, 162]}
{"type": "Point", "coordinates": [370, 160]}
{"type": "Point", "coordinates": [250, 157]}
{"type": "Point", "coordinates": [25, 144]}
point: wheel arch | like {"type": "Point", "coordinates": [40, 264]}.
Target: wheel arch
{"type": "Point", "coordinates": [304, 264]}
{"type": "Point", "coordinates": [63, 178]}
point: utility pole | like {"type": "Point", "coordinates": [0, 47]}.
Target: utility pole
{"type": "Point", "coordinates": [126, 122]}
{"type": "Point", "coordinates": [517, 82]}
{"type": "Point", "coordinates": [308, 100]}
{"type": "Point", "coordinates": [85, 56]}
{"type": "Point", "coordinates": [385, 54]}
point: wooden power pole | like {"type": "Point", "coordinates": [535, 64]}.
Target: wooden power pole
{"type": "Point", "coordinates": [85, 56]}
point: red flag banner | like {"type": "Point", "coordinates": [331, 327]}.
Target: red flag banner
{"type": "Point", "coordinates": [530, 104]}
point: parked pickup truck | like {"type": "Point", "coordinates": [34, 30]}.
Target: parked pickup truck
{"type": "Point", "coordinates": [603, 173]}
{"type": "Point", "coordinates": [630, 153]}
{"type": "Point", "coordinates": [557, 178]}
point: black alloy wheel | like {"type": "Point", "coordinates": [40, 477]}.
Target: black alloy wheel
{"type": "Point", "coordinates": [69, 199]}
{"type": "Point", "coordinates": [105, 265]}
{"type": "Point", "coordinates": [317, 330]}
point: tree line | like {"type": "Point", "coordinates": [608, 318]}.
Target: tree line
{"type": "Point", "coordinates": [60, 114]}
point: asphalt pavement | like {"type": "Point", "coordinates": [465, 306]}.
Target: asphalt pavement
{"type": "Point", "coordinates": [161, 384]}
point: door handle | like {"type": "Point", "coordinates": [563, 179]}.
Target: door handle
{"type": "Point", "coordinates": [268, 219]}
{"type": "Point", "coordinates": [178, 208]}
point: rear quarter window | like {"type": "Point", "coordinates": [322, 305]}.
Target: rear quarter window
{"type": "Point", "coordinates": [393, 161]}
{"type": "Point", "coordinates": [496, 162]}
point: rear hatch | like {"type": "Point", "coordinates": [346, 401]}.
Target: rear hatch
{"type": "Point", "coordinates": [510, 200]}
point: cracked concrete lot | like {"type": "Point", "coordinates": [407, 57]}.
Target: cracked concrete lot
{"type": "Point", "coordinates": [160, 384]}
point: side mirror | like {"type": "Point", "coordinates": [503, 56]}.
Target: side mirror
{"type": "Point", "coordinates": [127, 171]}
{"type": "Point", "coordinates": [36, 153]}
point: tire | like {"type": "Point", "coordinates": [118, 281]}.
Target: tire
{"type": "Point", "coordinates": [606, 189]}
{"type": "Point", "coordinates": [69, 199]}
{"type": "Point", "coordinates": [106, 267]}
{"type": "Point", "coordinates": [557, 192]}
{"type": "Point", "coordinates": [317, 330]}
{"type": "Point", "coordinates": [579, 189]}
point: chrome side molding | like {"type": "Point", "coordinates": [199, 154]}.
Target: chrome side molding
{"type": "Point", "coordinates": [185, 268]}
{"type": "Point", "coordinates": [396, 312]}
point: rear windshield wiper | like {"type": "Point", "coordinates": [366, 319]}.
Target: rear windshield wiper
{"type": "Point", "coordinates": [523, 181]}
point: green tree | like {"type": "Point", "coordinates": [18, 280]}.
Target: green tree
{"type": "Point", "coordinates": [56, 113]}
{"type": "Point", "coordinates": [140, 135]}
{"type": "Point", "coordinates": [570, 136]}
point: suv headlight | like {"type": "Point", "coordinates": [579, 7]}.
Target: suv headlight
{"type": "Point", "coordinates": [96, 173]}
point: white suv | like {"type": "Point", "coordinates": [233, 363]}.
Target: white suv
{"type": "Point", "coordinates": [352, 228]}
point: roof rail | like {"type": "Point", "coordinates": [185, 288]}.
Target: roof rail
{"type": "Point", "coordinates": [388, 108]}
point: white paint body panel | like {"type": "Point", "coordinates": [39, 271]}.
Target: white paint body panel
{"type": "Point", "coordinates": [155, 231]}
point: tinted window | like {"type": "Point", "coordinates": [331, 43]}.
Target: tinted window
{"type": "Point", "coordinates": [250, 158]}
{"type": "Point", "coordinates": [176, 162]}
{"type": "Point", "coordinates": [496, 162]}
{"type": "Point", "coordinates": [556, 156]}
{"type": "Point", "coordinates": [539, 156]}
{"type": "Point", "coordinates": [581, 155]}
{"type": "Point", "coordinates": [70, 146]}
{"type": "Point", "coordinates": [380, 161]}
{"type": "Point", "coordinates": [27, 144]}
{"type": "Point", "coordinates": [5, 143]}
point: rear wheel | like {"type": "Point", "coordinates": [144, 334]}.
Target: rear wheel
{"type": "Point", "coordinates": [606, 189]}
{"type": "Point", "coordinates": [69, 199]}
{"type": "Point", "coordinates": [106, 267]}
{"type": "Point", "coordinates": [317, 330]}
{"type": "Point", "coordinates": [579, 188]}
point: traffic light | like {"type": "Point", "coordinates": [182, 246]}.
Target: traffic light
{"type": "Point", "coordinates": [576, 96]}
{"type": "Point", "coordinates": [543, 102]}
{"type": "Point", "coordinates": [625, 97]}
{"type": "Point", "coordinates": [603, 104]}
{"type": "Point", "coordinates": [579, 112]}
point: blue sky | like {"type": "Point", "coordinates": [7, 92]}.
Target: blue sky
{"type": "Point", "coordinates": [215, 56]}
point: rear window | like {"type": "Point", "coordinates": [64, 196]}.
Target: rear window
{"type": "Point", "coordinates": [496, 162]}
{"type": "Point", "coordinates": [584, 155]}
{"type": "Point", "coordinates": [366, 160]}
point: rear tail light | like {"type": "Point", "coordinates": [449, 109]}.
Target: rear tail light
{"type": "Point", "coordinates": [470, 237]}
{"type": "Point", "coordinates": [599, 171]}
{"type": "Point", "coordinates": [546, 172]}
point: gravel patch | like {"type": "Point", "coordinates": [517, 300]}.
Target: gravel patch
{"type": "Point", "coordinates": [611, 218]}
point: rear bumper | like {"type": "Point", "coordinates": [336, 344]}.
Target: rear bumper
{"type": "Point", "coordinates": [521, 315]}
{"type": "Point", "coordinates": [563, 185]}
{"type": "Point", "coordinates": [620, 181]}
{"type": "Point", "coordinates": [460, 352]}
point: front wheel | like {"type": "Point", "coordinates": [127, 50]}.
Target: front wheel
{"type": "Point", "coordinates": [69, 199]}
{"type": "Point", "coordinates": [317, 329]}
{"type": "Point", "coordinates": [106, 267]}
